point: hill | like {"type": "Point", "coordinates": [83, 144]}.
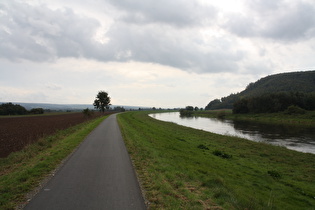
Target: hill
{"type": "Point", "coordinates": [285, 82]}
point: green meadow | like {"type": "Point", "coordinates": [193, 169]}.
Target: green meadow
{"type": "Point", "coordinates": [185, 168]}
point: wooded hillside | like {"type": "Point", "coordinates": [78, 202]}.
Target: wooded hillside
{"type": "Point", "coordinates": [302, 82]}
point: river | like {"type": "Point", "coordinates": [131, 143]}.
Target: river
{"type": "Point", "coordinates": [294, 138]}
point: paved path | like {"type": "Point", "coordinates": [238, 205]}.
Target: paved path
{"type": "Point", "coordinates": [99, 175]}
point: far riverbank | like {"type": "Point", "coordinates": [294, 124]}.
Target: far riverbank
{"type": "Point", "coordinates": [280, 118]}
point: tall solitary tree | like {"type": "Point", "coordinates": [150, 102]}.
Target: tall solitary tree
{"type": "Point", "coordinates": [102, 101]}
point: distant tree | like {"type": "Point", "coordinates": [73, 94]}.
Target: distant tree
{"type": "Point", "coordinates": [275, 102]}
{"type": "Point", "coordinates": [37, 111]}
{"type": "Point", "coordinates": [196, 108]}
{"type": "Point", "coordinates": [185, 113]}
{"type": "Point", "coordinates": [240, 106]}
{"type": "Point", "coordinates": [119, 109]}
{"type": "Point", "coordinates": [215, 104]}
{"type": "Point", "coordinates": [12, 109]}
{"type": "Point", "coordinates": [102, 101]}
{"type": "Point", "coordinates": [190, 108]}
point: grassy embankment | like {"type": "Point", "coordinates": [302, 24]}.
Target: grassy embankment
{"type": "Point", "coordinates": [184, 168]}
{"type": "Point", "coordinates": [22, 171]}
{"type": "Point", "coordinates": [281, 118]}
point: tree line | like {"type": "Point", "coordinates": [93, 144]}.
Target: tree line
{"type": "Point", "coordinates": [16, 109]}
{"type": "Point", "coordinates": [278, 83]}
{"type": "Point", "coordinates": [274, 102]}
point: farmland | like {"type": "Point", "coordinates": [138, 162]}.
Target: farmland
{"type": "Point", "coordinates": [17, 132]}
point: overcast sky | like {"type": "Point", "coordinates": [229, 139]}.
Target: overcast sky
{"type": "Point", "coordinates": [146, 52]}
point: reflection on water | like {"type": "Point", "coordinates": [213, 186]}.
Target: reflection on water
{"type": "Point", "coordinates": [295, 138]}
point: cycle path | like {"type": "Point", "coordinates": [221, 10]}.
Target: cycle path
{"type": "Point", "coordinates": [99, 175]}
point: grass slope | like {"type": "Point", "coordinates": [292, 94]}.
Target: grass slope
{"type": "Point", "coordinates": [184, 168]}
{"type": "Point", "coordinates": [22, 171]}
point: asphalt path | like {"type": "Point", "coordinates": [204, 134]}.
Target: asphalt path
{"type": "Point", "coordinates": [99, 175]}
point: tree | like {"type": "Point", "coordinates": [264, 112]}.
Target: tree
{"type": "Point", "coordinates": [37, 111]}
{"type": "Point", "coordinates": [102, 101]}
{"type": "Point", "coordinates": [12, 109]}
{"type": "Point", "coordinates": [190, 108]}
{"type": "Point", "coordinates": [119, 109]}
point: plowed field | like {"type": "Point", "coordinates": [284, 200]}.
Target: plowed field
{"type": "Point", "coordinates": [17, 132]}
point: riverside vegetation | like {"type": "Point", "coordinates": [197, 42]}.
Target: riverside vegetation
{"type": "Point", "coordinates": [289, 117]}
{"type": "Point", "coordinates": [185, 168]}
{"type": "Point", "coordinates": [23, 171]}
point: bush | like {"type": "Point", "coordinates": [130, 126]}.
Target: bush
{"type": "Point", "coordinates": [294, 110]}
{"type": "Point", "coordinates": [185, 113]}
{"type": "Point", "coordinates": [87, 112]}
{"type": "Point", "coordinates": [37, 111]}
{"type": "Point", "coordinates": [221, 114]}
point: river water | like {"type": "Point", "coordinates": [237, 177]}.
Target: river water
{"type": "Point", "coordinates": [294, 138]}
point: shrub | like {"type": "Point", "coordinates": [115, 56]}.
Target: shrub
{"type": "Point", "coordinates": [87, 112]}
{"type": "Point", "coordinates": [185, 113]}
{"type": "Point", "coordinates": [294, 110]}
{"type": "Point", "coordinates": [221, 114]}
{"type": "Point", "coordinates": [37, 111]}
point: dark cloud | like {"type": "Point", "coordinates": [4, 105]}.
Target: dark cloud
{"type": "Point", "coordinates": [39, 33]}
{"type": "Point", "coordinates": [275, 20]}
{"type": "Point", "coordinates": [177, 48]}
{"type": "Point", "coordinates": [177, 12]}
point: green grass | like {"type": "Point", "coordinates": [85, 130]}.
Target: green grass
{"type": "Point", "coordinates": [184, 168]}
{"type": "Point", "coordinates": [22, 171]}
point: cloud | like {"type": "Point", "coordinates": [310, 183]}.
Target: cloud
{"type": "Point", "coordinates": [177, 12]}
{"type": "Point", "coordinates": [184, 49]}
{"type": "Point", "coordinates": [187, 35]}
{"type": "Point", "coordinates": [53, 86]}
{"type": "Point", "coordinates": [275, 20]}
{"type": "Point", "coordinates": [39, 33]}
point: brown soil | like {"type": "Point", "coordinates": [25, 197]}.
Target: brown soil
{"type": "Point", "coordinates": [17, 132]}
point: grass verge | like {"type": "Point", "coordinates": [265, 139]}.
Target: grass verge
{"type": "Point", "coordinates": [22, 171]}
{"type": "Point", "coordinates": [185, 168]}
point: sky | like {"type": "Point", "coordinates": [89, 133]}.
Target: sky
{"type": "Point", "coordinates": [149, 53]}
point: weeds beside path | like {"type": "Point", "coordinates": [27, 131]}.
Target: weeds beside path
{"type": "Point", "coordinates": [184, 168]}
